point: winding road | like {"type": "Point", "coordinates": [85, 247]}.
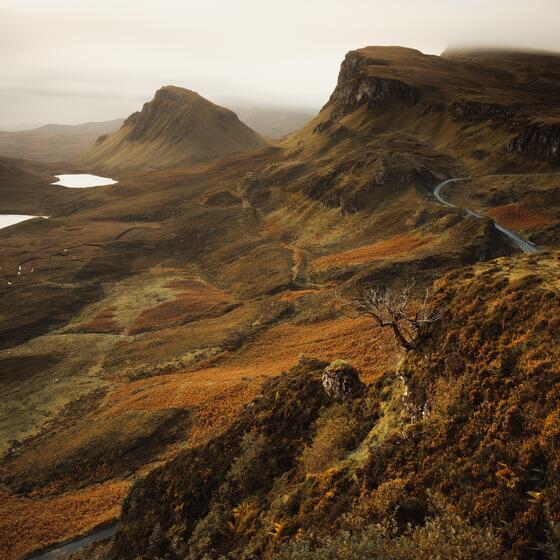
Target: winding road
{"type": "Point", "coordinates": [57, 551]}
{"type": "Point", "coordinates": [525, 246]}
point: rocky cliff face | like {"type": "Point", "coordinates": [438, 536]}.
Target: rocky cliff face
{"type": "Point", "coordinates": [478, 111]}
{"type": "Point", "coordinates": [538, 141]}
{"type": "Point", "coordinates": [358, 85]}
{"type": "Point", "coordinates": [398, 118]}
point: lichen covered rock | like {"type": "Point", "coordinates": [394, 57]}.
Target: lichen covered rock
{"type": "Point", "coordinates": [342, 381]}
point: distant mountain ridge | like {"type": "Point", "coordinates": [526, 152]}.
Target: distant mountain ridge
{"type": "Point", "coordinates": [271, 121]}
{"type": "Point", "coordinates": [54, 142]}
{"type": "Point", "coordinates": [177, 127]}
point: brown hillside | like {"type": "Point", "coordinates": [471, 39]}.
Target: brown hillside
{"type": "Point", "coordinates": [25, 187]}
{"type": "Point", "coordinates": [54, 142]}
{"type": "Point", "coordinates": [178, 127]}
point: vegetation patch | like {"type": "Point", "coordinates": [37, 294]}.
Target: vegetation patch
{"type": "Point", "coordinates": [29, 523]}
{"type": "Point", "coordinates": [196, 300]}
{"type": "Point", "coordinates": [398, 245]}
{"type": "Point", "coordinates": [519, 217]}
{"type": "Point", "coordinates": [93, 449]}
{"type": "Point", "coordinates": [104, 322]}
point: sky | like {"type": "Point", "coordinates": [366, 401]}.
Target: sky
{"type": "Point", "coordinates": [72, 61]}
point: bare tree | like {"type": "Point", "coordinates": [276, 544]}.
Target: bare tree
{"type": "Point", "coordinates": [398, 310]}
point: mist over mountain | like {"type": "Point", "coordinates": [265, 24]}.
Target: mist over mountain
{"type": "Point", "coordinates": [120, 55]}
{"type": "Point", "coordinates": [273, 121]}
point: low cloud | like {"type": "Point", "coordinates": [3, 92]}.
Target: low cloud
{"type": "Point", "coordinates": [71, 61]}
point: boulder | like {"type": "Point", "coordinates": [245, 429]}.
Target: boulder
{"type": "Point", "coordinates": [342, 381]}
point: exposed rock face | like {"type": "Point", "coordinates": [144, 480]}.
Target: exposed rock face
{"type": "Point", "coordinates": [478, 111]}
{"type": "Point", "coordinates": [398, 119]}
{"type": "Point", "coordinates": [334, 190]}
{"type": "Point", "coordinates": [539, 141]}
{"type": "Point", "coordinates": [356, 87]}
{"type": "Point", "coordinates": [342, 381]}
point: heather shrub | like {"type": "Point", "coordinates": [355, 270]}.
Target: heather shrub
{"type": "Point", "coordinates": [446, 400]}
{"type": "Point", "coordinates": [243, 474]}
{"type": "Point", "coordinates": [205, 535]}
{"type": "Point", "coordinates": [397, 499]}
{"type": "Point", "coordinates": [300, 476]}
{"type": "Point", "coordinates": [336, 434]}
{"type": "Point", "coordinates": [445, 536]}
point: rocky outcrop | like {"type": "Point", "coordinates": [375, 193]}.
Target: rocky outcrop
{"type": "Point", "coordinates": [475, 111]}
{"type": "Point", "coordinates": [541, 141]}
{"type": "Point", "coordinates": [356, 87]}
{"type": "Point", "coordinates": [325, 188]}
{"type": "Point", "coordinates": [346, 186]}
{"type": "Point", "coordinates": [355, 184]}
{"type": "Point", "coordinates": [342, 381]}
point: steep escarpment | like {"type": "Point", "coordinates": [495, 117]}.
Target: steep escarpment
{"type": "Point", "coordinates": [178, 127]}
{"type": "Point", "coordinates": [453, 452]}
{"type": "Point", "coordinates": [477, 109]}
{"type": "Point", "coordinates": [399, 119]}
{"type": "Point", "coordinates": [356, 86]}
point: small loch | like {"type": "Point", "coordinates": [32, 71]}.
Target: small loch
{"type": "Point", "coordinates": [83, 181]}
{"type": "Point", "coordinates": [12, 219]}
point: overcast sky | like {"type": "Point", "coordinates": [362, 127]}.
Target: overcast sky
{"type": "Point", "coordinates": [71, 61]}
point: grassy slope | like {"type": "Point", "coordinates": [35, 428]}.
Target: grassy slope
{"type": "Point", "coordinates": [177, 127]}
{"type": "Point", "coordinates": [25, 187]}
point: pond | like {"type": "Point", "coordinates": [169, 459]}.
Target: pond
{"type": "Point", "coordinates": [11, 219]}
{"type": "Point", "coordinates": [83, 180]}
